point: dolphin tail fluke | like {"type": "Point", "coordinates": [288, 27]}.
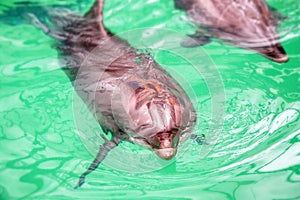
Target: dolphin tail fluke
{"type": "Point", "coordinates": [103, 151]}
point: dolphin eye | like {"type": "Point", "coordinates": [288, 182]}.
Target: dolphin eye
{"type": "Point", "coordinates": [136, 86]}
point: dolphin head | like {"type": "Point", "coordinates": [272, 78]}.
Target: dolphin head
{"type": "Point", "coordinates": [273, 52]}
{"type": "Point", "coordinates": [151, 115]}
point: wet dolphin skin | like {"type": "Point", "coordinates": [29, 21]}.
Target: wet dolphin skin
{"type": "Point", "coordinates": [135, 101]}
{"type": "Point", "coordinates": [249, 24]}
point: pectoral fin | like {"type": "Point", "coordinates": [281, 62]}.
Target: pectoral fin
{"type": "Point", "coordinates": [195, 40]}
{"type": "Point", "coordinates": [103, 151]}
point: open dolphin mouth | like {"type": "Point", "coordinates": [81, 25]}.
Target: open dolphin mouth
{"type": "Point", "coordinates": [166, 145]}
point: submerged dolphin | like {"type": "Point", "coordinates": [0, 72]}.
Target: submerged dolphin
{"type": "Point", "coordinates": [249, 24]}
{"type": "Point", "coordinates": [132, 96]}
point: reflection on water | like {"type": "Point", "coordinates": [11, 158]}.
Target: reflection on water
{"type": "Point", "coordinates": [256, 156]}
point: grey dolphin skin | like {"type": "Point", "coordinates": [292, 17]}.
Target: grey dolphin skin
{"type": "Point", "coordinates": [249, 24]}
{"type": "Point", "coordinates": [129, 93]}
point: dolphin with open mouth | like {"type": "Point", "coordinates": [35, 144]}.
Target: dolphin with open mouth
{"type": "Point", "coordinates": [130, 94]}
{"type": "Point", "coordinates": [249, 24]}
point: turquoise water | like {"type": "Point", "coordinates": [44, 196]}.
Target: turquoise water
{"type": "Point", "coordinates": [48, 137]}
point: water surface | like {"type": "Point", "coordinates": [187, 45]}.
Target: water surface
{"type": "Point", "coordinates": [48, 137]}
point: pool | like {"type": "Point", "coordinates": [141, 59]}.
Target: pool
{"type": "Point", "coordinates": [248, 108]}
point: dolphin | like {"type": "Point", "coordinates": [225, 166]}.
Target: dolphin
{"type": "Point", "coordinates": [130, 94]}
{"type": "Point", "coordinates": [249, 24]}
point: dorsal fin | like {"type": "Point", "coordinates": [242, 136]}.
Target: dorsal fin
{"type": "Point", "coordinates": [96, 12]}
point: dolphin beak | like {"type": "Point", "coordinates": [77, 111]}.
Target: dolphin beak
{"type": "Point", "coordinates": [166, 153]}
{"type": "Point", "coordinates": [275, 53]}
{"type": "Point", "coordinates": [282, 59]}
{"type": "Point", "coordinates": [167, 145]}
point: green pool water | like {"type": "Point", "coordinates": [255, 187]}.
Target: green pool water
{"type": "Point", "coordinates": [248, 108]}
